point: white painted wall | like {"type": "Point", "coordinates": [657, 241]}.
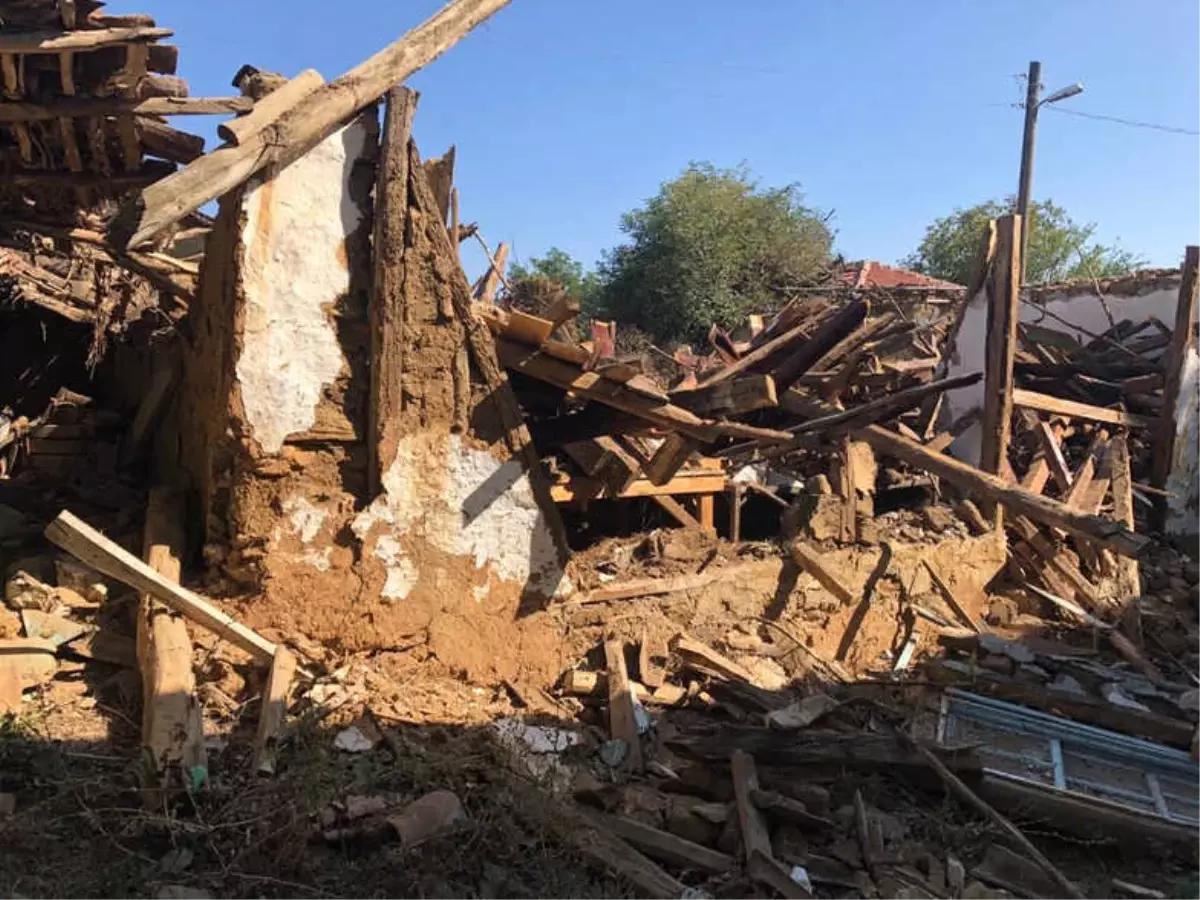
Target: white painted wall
{"type": "Point", "coordinates": [1078, 313]}
{"type": "Point", "coordinates": [294, 270]}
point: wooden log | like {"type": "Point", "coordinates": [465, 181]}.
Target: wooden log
{"type": "Point", "coordinates": [80, 107]}
{"type": "Point", "coordinates": [831, 332]}
{"type": "Point", "coordinates": [621, 719]}
{"type": "Point", "coordinates": [26, 42]}
{"type": "Point", "coordinates": [271, 107]}
{"type": "Point", "coordinates": [1074, 409]}
{"type": "Point", "coordinates": [667, 847]}
{"type": "Point", "coordinates": [729, 398]}
{"type": "Point", "coordinates": [495, 274]}
{"type": "Point", "coordinates": [159, 139]}
{"type": "Point", "coordinates": [387, 303]}
{"type": "Point", "coordinates": [756, 838]}
{"type": "Point", "coordinates": [809, 560]}
{"type": "Point", "coordinates": [275, 699]}
{"type": "Point", "coordinates": [307, 124]}
{"type": "Point", "coordinates": [89, 546]}
{"type": "Point", "coordinates": [172, 729]}
{"type": "Point", "coordinates": [1000, 354]}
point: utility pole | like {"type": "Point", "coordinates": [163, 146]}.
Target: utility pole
{"type": "Point", "coordinates": [1033, 90]}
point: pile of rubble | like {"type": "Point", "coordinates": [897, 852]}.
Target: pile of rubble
{"type": "Point", "coordinates": [944, 564]}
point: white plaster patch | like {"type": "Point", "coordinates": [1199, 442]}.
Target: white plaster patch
{"type": "Point", "coordinates": [318, 559]}
{"type": "Point", "coordinates": [294, 270]}
{"type": "Point", "coordinates": [464, 502]}
{"type": "Point", "coordinates": [402, 575]}
{"type": "Point", "coordinates": [1183, 483]}
{"type": "Point", "coordinates": [306, 519]}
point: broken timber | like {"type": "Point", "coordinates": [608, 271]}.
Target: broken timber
{"type": "Point", "coordinates": [91, 547]}
{"type": "Point", "coordinates": [299, 129]}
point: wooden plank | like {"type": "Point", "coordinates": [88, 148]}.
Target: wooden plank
{"type": "Point", "coordinates": [525, 328]}
{"type": "Point", "coordinates": [621, 719]}
{"type": "Point", "coordinates": [1058, 560]}
{"type": "Point", "coordinates": [699, 655]}
{"type": "Point", "coordinates": [439, 172]}
{"type": "Point", "coordinates": [275, 699]}
{"type": "Point", "coordinates": [756, 838]}
{"type": "Point", "coordinates": [669, 458]}
{"type": "Point", "coordinates": [650, 587]}
{"type": "Point", "coordinates": [705, 503]}
{"type": "Point", "coordinates": [676, 511]}
{"type": "Point", "coordinates": [274, 104]}
{"type": "Point", "coordinates": [1053, 455]}
{"type": "Point", "coordinates": [1074, 409]}
{"type": "Point", "coordinates": [951, 599]}
{"type": "Point", "coordinates": [172, 729]}
{"type": "Point", "coordinates": [775, 875]}
{"type": "Point", "coordinates": [687, 482]}
{"type": "Point", "coordinates": [809, 560]}
{"type": "Point", "coordinates": [790, 810]}
{"type": "Point", "coordinates": [309, 122]}
{"type": "Point", "coordinates": [1003, 316]}
{"type": "Point", "coordinates": [93, 39]}
{"type": "Point", "coordinates": [1129, 583]}
{"type": "Point", "coordinates": [387, 303]}
{"type": "Point", "coordinates": [667, 847]}
{"type": "Point", "coordinates": [90, 547]}
{"type": "Point", "coordinates": [729, 398]}
{"type": "Point", "coordinates": [603, 848]}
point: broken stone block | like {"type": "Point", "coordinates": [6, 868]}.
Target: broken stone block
{"type": "Point", "coordinates": [434, 815]}
{"type": "Point", "coordinates": [83, 580]}
{"type": "Point", "coordinates": [23, 591]}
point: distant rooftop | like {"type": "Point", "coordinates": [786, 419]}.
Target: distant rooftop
{"type": "Point", "coordinates": [866, 274]}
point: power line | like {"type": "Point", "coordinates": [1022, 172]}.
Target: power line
{"type": "Point", "coordinates": [1074, 112]}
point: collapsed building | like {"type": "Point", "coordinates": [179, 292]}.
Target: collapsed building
{"type": "Point", "coordinates": [302, 408]}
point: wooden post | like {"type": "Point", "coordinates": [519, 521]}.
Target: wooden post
{"type": "Point", "coordinates": [736, 493]}
{"type": "Point", "coordinates": [387, 291]}
{"type": "Point", "coordinates": [171, 726]}
{"type": "Point", "coordinates": [1129, 584]}
{"type": "Point", "coordinates": [1003, 300]}
{"type": "Point", "coordinates": [621, 717]}
{"type": "Point", "coordinates": [1181, 342]}
{"type": "Point", "coordinates": [705, 507]}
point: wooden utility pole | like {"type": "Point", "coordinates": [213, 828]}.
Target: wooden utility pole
{"type": "Point", "coordinates": [1033, 89]}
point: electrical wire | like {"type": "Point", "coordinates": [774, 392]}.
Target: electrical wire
{"type": "Point", "coordinates": [1075, 112]}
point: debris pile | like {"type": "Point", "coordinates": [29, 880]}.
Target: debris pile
{"type": "Point", "coordinates": [283, 489]}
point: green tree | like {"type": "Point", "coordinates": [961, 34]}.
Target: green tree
{"type": "Point", "coordinates": [558, 266]}
{"type": "Point", "coordinates": [710, 247]}
{"type": "Point", "coordinates": [1059, 247]}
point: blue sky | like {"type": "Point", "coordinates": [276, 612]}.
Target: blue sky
{"type": "Point", "coordinates": [567, 113]}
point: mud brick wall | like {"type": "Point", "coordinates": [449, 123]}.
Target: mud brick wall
{"type": "Point", "coordinates": [275, 424]}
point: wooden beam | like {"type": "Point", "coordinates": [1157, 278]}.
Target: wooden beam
{"type": "Point", "coordinates": [77, 107]}
{"type": "Point", "coordinates": [386, 309]}
{"type": "Point", "coordinates": [271, 716]}
{"type": "Point", "coordinates": [57, 41]}
{"type": "Point", "coordinates": [756, 838]}
{"type": "Point", "coordinates": [698, 482]}
{"type": "Point", "coordinates": [495, 274]}
{"type": "Point", "coordinates": [676, 511]}
{"type": "Point", "coordinates": [1129, 583]}
{"type": "Point", "coordinates": [171, 725]}
{"type": "Point", "coordinates": [810, 561]}
{"type": "Point", "coordinates": [1021, 501]}
{"type": "Point", "coordinates": [1076, 410]}
{"type": "Point", "coordinates": [1003, 315]}
{"type": "Point", "coordinates": [269, 108]}
{"type": "Point", "coordinates": [729, 398]}
{"type": "Point", "coordinates": [669, 458]}
{"type": "Point", "coordinates": [667, 847]}
{"type": "Point", "coordinates": [89, 546]}
{"type": "Point", "coordinates": [621, 718]}
{"type": "Point", "coordinates": [1052, 453]}
{"type": "Point", "coordinates": [829, 334]}
{"type": "Point", "coordinates": [150, 172]}
{"type": "Point", "coordinates": [760, 356]}
{"type": "Point", "coordinates": [1181, 342]}
{"type": "Point", "coordinates": [951, 599]}
{"type": "Point", "coordinates": [303, 127]}
{"type": "Point", "coordinates": [704, 509]}
{"type": "Point", "coordinates": [159, 139]}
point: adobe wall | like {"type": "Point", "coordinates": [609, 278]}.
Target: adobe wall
{"type": "Point", "coordinates": [455, 544]}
